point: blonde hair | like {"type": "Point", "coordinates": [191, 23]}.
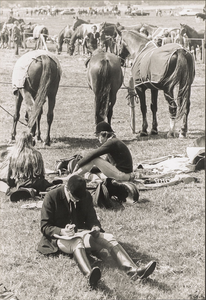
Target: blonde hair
{"type": "Point", "coordinates": [25, 162]}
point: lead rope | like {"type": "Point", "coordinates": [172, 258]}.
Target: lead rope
{"type": "Point", "coordinates": [12, 115]}
{"type": "Point", "coordinates": [130, 92]}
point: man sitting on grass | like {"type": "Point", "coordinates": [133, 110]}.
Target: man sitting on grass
{"type": "Point", "coordinates": [69, 224]}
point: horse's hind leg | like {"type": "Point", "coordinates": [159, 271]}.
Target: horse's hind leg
{"type": "Point", "coordinates": [154, 95]}
{"type": "Point", "coordinates": [169, 96]}
{"type": "Point", "coordinates": [143, 107]}
{"type": "Point", "coordinates": [50, 116]}
{"type": "Point", "coordinates": [16, 116]}
{"type": "Point", "coordinates": [184, 128]}
{"type": "Point", "coordinates": [37, 126]}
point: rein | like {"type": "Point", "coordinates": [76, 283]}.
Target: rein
{"type": "Point", "coordinates": [12, 115]}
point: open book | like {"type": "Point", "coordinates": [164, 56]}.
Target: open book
{"type": "Point", "coordinates": [77, 234]}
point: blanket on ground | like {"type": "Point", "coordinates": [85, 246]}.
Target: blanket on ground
{"type": "Point", "coordinates": [151, 64]}
{"type": "Point", "coordinates": [20, 74]}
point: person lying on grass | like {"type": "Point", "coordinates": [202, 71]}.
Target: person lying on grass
{"type": "Point", "coordinates": [69, 224]}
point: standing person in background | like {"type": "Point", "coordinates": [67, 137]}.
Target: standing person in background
{"type": "Point", "coordinates": [16, 33]}
{"type": "Point", "coordinates": [93, 39]}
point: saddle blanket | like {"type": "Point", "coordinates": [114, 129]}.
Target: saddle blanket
{"type": "Point", "coordinates": [37, 31]}
{"type": "Point", "coordinates": [21, 67]}
{"type": "Point", "coordinates": [151, 64]}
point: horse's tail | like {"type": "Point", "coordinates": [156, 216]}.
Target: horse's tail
{"type": "Point", "coordinates": [44, 85]}
{"type": "Point", "coordinates": [182, 76]}
{"type": "Point", "coordinates": [103, 90]}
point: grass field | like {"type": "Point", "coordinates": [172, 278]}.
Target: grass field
{"type": "Point", "coordinates": [166, 225]}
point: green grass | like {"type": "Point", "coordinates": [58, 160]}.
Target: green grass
{"type": "Point", "coordinates": [167, 224]}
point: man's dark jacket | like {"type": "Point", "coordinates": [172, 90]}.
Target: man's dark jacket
{"type": "Point", "coordinates": [57, 212]}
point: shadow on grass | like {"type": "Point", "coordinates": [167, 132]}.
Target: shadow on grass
{"type": "Point", "coordinates": [193, 134]}
{"type": "Point", "coordinates": [67, 142]}
{"type": "Point", "coordinates": [136, 256]}
{"type": "Point", "coordinates": [86, 143]}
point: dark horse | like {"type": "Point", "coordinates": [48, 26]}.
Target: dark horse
{"type": "Point", "coordinates": [105, 78]}
{"type": "Point", "coordinates": [161, 68]}
{"type": "Point", "coordinates": [195, 37]}
{"type": "Point", "coordinates": [36, 75]}
{"type": "Point", "coordinates": [64, 37]}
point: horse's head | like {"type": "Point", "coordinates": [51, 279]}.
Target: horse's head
{"type": "Point", "coordinates": [71, 49]}
{"type": "Point", "coordinates": [121, 49]}
{"type": "Point", "coordinates": [183, 29]}
{"type": "Point", "coordinates": [102, 26]}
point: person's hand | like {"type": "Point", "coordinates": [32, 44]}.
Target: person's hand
{"type": "Point", "coordinates": [68, 230]}
{"type": "Point", "coordinates": [95, 231]}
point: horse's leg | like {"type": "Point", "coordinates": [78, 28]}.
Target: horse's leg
{"type": "Point", "coordinates": [50, 115]}
{"type": "Point", "coordinates": [184, 128]}
{"type": "Point", "coordinates": [112, 98]}
{"type": "Point", "coordinates": [195, 52]}
{"type": "Point", "coordinates": [37, 125]}
{"type": "Point", "coordinates": [19, 99]}
{"type": "Point", "coordinates": [169, 96]}
{"type": "Point", "coordinates": [143, 107]}
{"type": "Point", "coordinates": [154, 95]}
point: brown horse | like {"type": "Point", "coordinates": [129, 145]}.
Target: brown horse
{"type": "Point", "coordinates": [160, 68]}
{"type": "Point", "coordinates": [36, 75]}
{"type": "Point", "coordinates": [195, 38]}
{"type": "Point", "coordinates": [64, 37]}
{"type": "Point", "coordinates": [105, 78]}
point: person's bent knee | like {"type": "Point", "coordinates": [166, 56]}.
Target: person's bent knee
{"type": "Point", "coordinates": [69, 246]}
{"type": "Point", "coordinates": [107, 240]}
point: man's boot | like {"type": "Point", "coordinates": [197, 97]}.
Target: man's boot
{"type": "Point", "coordinates": [126, 263]}
{"type": "Point", "coordinates": [81, 259]}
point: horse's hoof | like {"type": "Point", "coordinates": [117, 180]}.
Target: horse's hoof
{"type": "Point", "coordinates": [171, 135]}
{"type": "Point", "coordinates": [143, 133]}
{"type": "Point", "coordinates": [45, 143]}
{"type": "Point", "coordinates": [182, 135]}
{"type": "Point", "coordinates": [154, 132]}
{"type": "Point", "coordinates": [12, 141]}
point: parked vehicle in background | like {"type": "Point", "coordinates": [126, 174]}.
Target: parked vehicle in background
{"type": "Point", "coordinates": [68, 12]}
{"type": "Point", "coordinates": [188, 12]}
{"type": "Point", "coordinates": [137, 13]}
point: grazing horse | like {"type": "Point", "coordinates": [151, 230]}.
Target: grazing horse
{"type": "Point", "coordinates": [64, 37]}
{"type": "Point", "coordinates": [79, 34]}
{"type": "Point", "coordinates": [36, 75]}
{"type": "Point", "coordinates": [193, 34]}
{"type": "Point", "coordinates": [78, 22]}
{"type": "Point", "coordinates": [27, 32]}
{"type": "Point", "coordinates": [160, 68]}
{"type": "Point", "coordinates": [105, 78]}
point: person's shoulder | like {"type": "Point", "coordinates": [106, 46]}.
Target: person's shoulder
{"type": "Point", "coordinates": [55, 193]}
